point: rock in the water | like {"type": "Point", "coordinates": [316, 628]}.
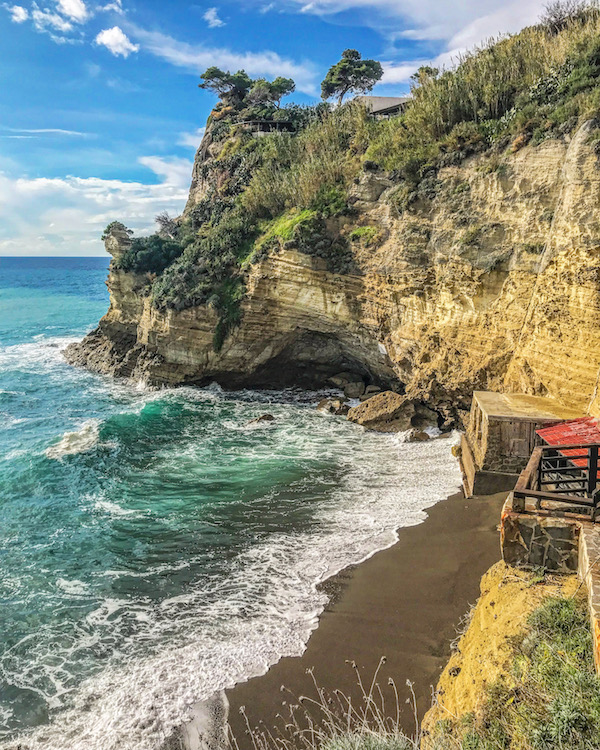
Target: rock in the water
{"type": "Point", "coordinates": [343, 378]}
{"type": "Point", "coordinates": [334, 406]}
{"type": "Point", "coordinates": [417, 436]}
{"type": "Point", "coordinates": [384, 412]}
{"type": "Point", "coordinates": [354, 390]}
{"type": "Point", "coordinates": [259, 420]}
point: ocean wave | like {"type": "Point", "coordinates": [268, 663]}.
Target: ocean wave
{"type": "Point", "coordinates": [14, 453]}
{"type": "Point", "coordinates": [74, 588]}
{"type": "Point", "coordinates": [79, 441]}
{"type": "Point", "coordinates": [33, 354]}
{"type": "Point", "coordinates": [220, 632]}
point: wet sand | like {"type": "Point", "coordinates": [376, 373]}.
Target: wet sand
{"type": "Point", "coordinates": [404, 603]}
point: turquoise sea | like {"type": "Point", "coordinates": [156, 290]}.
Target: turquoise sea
{"type": "Point", "coordinates": [154, 547]}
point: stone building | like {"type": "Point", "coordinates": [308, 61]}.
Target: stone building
{"type": "Point", "coordinates": [501, 435]}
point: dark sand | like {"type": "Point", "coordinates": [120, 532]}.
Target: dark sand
{"type": "Point", "coordinates": [403, 603]}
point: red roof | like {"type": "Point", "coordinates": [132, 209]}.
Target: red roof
{"type": "Point", "coordinates": [584, 431]}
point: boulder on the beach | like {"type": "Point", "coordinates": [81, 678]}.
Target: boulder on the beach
{"type": "Point", "coordinates": [333, 406]}
{"type": "Point", "coordinates": [370, 391]}
{"type": "Point", "coordinates": [343, 378]}
{"type": "Point", "coordinates": [384, 412]}
{"type": "Point", "coordinates": [259, 420]}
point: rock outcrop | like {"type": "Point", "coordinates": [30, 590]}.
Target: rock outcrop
{"type": "Point", "coordinates": [385, 412]}
{"type": "Point", "coordinates": [493, 283]}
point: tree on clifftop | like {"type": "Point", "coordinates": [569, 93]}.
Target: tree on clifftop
{"type": "Point", "coordinates": [256, 98]}
{"type": "Point", "coordinates": [351, 73]}
{"type": "Point", "coordinates": [230, 87]}
{"type": "Point", "coordinates": [270, 92]}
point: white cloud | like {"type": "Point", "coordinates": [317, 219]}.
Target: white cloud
{"type": "Point", "coordinates": [212, 19]}
{"type": "Point", "coordinates": [73, 9]}
{"type": "Point", "coordinates": [505, 18]}
{"type": "Point", "coordinates": [422, 19]}
{"type": "Point", "coordinates": [116, 41]}
{"type": "Point", "coordinates": [191, 139]}
{"type": "Point", "coordinates": [18, 14]}
{"type": "Point", "coordinates": [47, 131]}
{"type": "Point", "coordinates": [66, 216]}
{"type": "Point", "coordinates": [115, 6]}
{"type": "Point", "coordinates": [46, 20]}
{"type": "Point", "coordinates": [196, 58]}
{"type": "Point", "coordinates": [174, 171]}
{"type": "Point", "coordinates": [458, 26]}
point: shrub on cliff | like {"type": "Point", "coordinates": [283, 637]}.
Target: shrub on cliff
{"type": "Point", "coordinates": [118, 225]}
{"type": "Point", "coordinates": [306, 232]}
{"type": "Point", "coordinates": [296, 170]}
{"type": "Point", "coordinates": [207, 266]}
{"type": "Point", "coordinates": [535, 80]}
{"type": "Point", "coordinates": [151, 254]}
{"type": "Point", "coordinates": [550, 699]}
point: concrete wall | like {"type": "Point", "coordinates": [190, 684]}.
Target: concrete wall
{"type": "Point", "coordinates": [589, 573]}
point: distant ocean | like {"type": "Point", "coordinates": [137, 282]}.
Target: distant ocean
{"type": "Point", "coordinates": [154, 547]}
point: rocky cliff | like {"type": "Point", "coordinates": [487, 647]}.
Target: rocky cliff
{"type": "Point", "coordinates": [493, 281]}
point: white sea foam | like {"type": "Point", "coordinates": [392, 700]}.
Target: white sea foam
{"type": "Point", "coordinates": [42, 352]}
{"type": "Point", "coordinates": [74, 587]}
{"type": "Point", "coordinates": [269, 604]}
{"type": "Point", "coordinates": [15, 453]}
{"type": "Point", "coordinates": [79, 441]}
{"type": "Point", "coordinates": [113, 509]}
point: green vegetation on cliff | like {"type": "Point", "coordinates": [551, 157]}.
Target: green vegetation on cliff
{"type": "Point", "coordinates": [294, 189]}
{"type": "Point", "coordinates": [550, 699]}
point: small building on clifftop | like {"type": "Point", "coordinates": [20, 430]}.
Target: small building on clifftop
{"type": "Point", "coordinates": [383, 107]}
{"type": "Point", "coordinates": [501, 435]}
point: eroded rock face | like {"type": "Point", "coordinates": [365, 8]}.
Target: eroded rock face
{"type": "Point", "coordinates": [492, 284]}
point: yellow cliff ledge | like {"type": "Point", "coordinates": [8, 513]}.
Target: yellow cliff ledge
{"type": "Point", "coordinates": [484, 654]}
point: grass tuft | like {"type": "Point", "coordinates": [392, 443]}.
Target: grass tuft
{"type": "Point", "coordinates": [332, 721]}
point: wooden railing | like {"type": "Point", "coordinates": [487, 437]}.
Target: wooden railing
{"type": "Point", "coordinates": [560, 478]}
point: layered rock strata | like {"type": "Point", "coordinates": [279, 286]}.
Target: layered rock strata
{"type": "Point", "coordinates": [492, 284]}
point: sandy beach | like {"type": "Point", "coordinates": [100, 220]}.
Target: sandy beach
{"type": "Point", "coordinates": [403, 603]}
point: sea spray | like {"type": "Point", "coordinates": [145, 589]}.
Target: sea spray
{"type": "Point", "coordinates": [78, 441]}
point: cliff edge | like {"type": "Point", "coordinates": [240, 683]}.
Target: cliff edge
{"type": "Point", "coordinates": [465, 256]}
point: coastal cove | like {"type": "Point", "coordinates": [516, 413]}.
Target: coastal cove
{"type": "Point", "coordinates": [257, 470]}
{"type": "Point", "coordinates": [158, 546]}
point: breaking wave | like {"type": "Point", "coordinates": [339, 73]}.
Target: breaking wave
{"type": "Point", "coordinates": [79, 441]}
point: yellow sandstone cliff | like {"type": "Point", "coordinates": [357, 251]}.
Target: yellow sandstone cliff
{"type": "Point", "coordinates": [493, 283]}
{"type": "Point", "coordinates": [485, 653]}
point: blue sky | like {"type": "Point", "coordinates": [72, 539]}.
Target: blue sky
{"type": "Point", "coordinates": [100, 113]}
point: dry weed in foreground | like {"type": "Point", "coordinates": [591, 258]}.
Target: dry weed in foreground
{"type": "Point", "coordinates": [331, 721]}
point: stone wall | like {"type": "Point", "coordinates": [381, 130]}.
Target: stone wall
{"type": "Point", "coordinates": [589, 573]}
{"type": "Point", "coordinates": [539, 540]}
